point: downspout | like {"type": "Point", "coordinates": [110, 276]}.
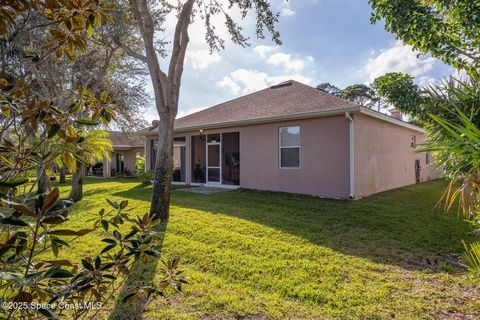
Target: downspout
{"type": "Point", "coordinates": [351, 130]}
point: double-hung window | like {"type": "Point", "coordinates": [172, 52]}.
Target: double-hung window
{"type": "Point", "coordinates": [289, 147]}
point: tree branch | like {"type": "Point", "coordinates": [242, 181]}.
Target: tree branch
{"type": "Point", "coordinates": [131, 52]}
{"type": "Point", "coordinates": [180, 43]}
{"type": "Point", "coordinates": [159, 78]}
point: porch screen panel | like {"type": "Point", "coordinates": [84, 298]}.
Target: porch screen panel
{"type": "Point", "coordinates": [179, 163]}
{"type": "Point", "coordinates": [153, 153]}
{"type": "Point", "coordinates": [231, 158]}
{"type": "Point", "coordinates": [198, 159]}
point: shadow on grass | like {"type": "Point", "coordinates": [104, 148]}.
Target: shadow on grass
{"type": "Point", "coordinates": [398, 227]}
{"type": "Point", "coordinates": [140, 274]}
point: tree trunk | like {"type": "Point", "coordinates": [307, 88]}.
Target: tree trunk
{"type": "Point", "coordinates": [76, 193]}
{"type": "Point", "coordinates": [63, 173]}
{"type": "Point", "coordinates": [166, 89]}
{"type": "Point", "coordinates": [43, 182]}
{"type": "Point", "coordinates": [162, 181]}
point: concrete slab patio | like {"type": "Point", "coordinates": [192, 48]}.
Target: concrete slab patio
{"type": "Point", "coordinates": [205, 190]}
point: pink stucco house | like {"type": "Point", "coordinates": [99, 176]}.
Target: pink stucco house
{"type": "Point", "coordinates": [295, 138]}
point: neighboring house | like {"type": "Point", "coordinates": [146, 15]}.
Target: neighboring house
{"type": "Point", "coordinates": [127, 148]}
{"type": "Point", "coordinates": [295, 138]}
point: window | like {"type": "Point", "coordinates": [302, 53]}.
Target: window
{"type": "Point", "coordinates": [290, 147]}
{"type": "Point", "coordinates": [427, 158]}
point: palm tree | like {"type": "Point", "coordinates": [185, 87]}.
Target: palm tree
{"type": "Point", "coordinates": [96, 146]}
{"type": "Point", "coordinates": [92, 146]}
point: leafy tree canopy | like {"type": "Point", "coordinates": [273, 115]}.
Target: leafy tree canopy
{"type": "Point", "coordinates": [361, 94]}
{"type": "Point", "coordinates": [399, 90]}
{"type": "Point", "coordinates": [329, 88]}
{"type": "Point", "coordinates": [447, 29]}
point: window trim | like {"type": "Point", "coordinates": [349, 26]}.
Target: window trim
{"type": "Point", "coordinates": [280, 147]}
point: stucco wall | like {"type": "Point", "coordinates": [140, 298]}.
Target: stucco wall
{"type": "Point", "coordinates": [324, 157]}
{"type": "Point", "coordinates": [384, 158]}
{"type": "Point", "coordinates": [130, 157]}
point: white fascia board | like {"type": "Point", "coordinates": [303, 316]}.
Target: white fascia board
{"type": "Point", "coordinates": [387, 118]}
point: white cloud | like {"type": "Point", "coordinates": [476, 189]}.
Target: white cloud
{"type": "Point", "coordinates": [243, 81]}
{"type": "Point", "coordinates": [231, 84]}
{"type": "Point", "coordinates": [202, 59]}
{"type": "Point", "coordinates": [287, 12]}
{"type": "Point", "coordinates": [398, 58]}
{"type": "Point", "coordinates": [187, 112]}
{"type": "Point", "coordinates": [263, 51]}
{"type": "Point", "coordinates": [286, 60]}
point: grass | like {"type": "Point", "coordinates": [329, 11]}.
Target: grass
{"type": "Point", "coordinates": [263, 255]}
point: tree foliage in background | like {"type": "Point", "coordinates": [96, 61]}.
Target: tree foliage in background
{"type": "Point", "coordinates": [329, 88]}
{"type": "Point", "coordinates": [361, 94]}
{"type": "Point", "coordinates": [101, 66]}
{"type": "Point", "coordinates": [55, 71]}
{"type": "Point", "coordinates": [166, 82]}
{"type": "Point", "coordinates": [398, 90]}
{"type": "Point", "coordinates": [446, 29]}
{"type": "Point", "coordinates": [37, 131]}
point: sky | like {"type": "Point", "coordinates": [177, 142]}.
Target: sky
{"type": "Point", "coordinates": [322, 41]}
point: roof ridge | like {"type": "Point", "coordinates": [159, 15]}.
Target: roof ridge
{"type": "Point", "coordinates": [225, 102]}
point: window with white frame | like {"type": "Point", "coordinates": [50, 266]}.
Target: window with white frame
{"type": "Point", "coordinates": [289, 147]}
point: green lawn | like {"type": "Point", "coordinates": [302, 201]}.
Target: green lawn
{"type": "Point", "coordinates": [262, 255]}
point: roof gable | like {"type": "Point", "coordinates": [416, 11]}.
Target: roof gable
{"type": "Point", "coordinates": [286, 99]}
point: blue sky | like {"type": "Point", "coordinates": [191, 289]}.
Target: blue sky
{"type": "Point", "coordinates": [323, 41]}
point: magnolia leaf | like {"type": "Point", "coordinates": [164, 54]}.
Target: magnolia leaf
{"type": "Point", "coordinates": [87, 265]}
{"type": "Point", "coordinates": [59, 53]}
{"type": "Point", "coordinates": [3, 83]}
{"type": "Point", "coordinates": [130, 298]}
{"type": "Point", "coordinates": [21, 208]}
{"type": "Point", "coordinates": [66, 232]}
{"type": "Point", "coordinates": [49, 157]}
{"type": "Point", "coordinates": [54, 247]}
{"type": "Point", "coordinates": [123, 204]}
{"type": "Point", "coordinates": [23, 297]}
{"type": "Point", "coordinates": [87, 122]}
{"type": "Point", "coordinates": [103, 96]}
{"type": "Point", "coordinates": [12, 183]}
{"type": "Point", "coordinates": [47, 313]}
{"type": "Point", "coordinates": [13, 222]}
{"type": "Point", "coordinates": [58, 273]}
{"type": "Point", "coordinates": [98, 20]}
{"type": "Point", "coordinates": [108, 248]}
{"type": "Point", "coordinates": [105, 225]}
{"type": "Point", "coordinates": [98, 262]}
{"type": "Point", "coordinates": [59, 219]}
{"type": "Point", "coordinates": [70, 162]}
{"type": "Point", "coordinates": [74, 107]}
{"type": "Point", "coordinates": [89, 29]}
{"type": "Point", "coordinates": [50, 199]}
{"type": "Point", "coordinates": [62, 262]}
{"type": "Point", "coordinates": [54, 128]}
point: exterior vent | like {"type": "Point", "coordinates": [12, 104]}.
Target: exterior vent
{"type": "Point", "coordinates": [281, 85]}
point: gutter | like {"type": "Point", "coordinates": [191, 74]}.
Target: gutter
{"type": "Point", "coordinates": [298, 116]}
{"type": "Point", "coordinates": [351, 131]}
{"type": "Point", "coordinates": [384, 117]}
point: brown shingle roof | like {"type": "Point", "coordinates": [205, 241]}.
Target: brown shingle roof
{"type": "Point", "coordinates": [126, 139]}
{"type": "Point", "coordinates": [288, 98]}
